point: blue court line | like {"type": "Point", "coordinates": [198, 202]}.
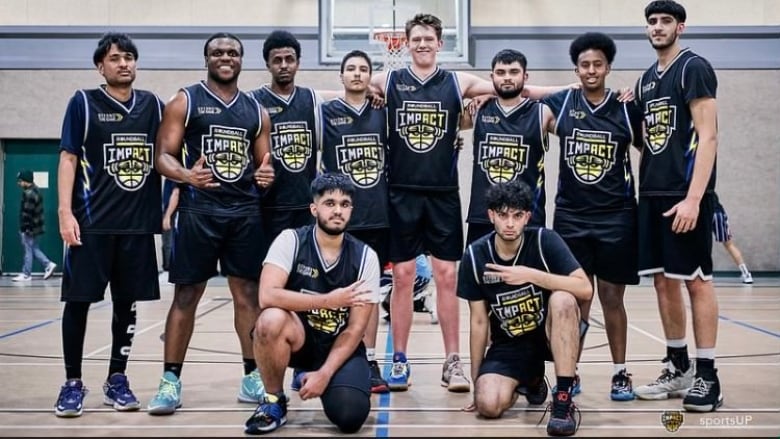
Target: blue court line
{"type": "Point", "coordinates": [41, 324]}
{"type": "Point", "coordinates": [382, 415]}
{"type": "Point", "coordinates": [749, 326]}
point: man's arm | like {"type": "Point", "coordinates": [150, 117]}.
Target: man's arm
{"type": "Point", "coordinates": [575, 282]}
{"type": "Point", "coordinates": [66, 176]}
{"type": "Point", "coordinates": [264, 170]}
{"type": "Point", "coordinates": [478, 334]}
{"type": "Point", "coordinates": [377, 84]}
{"type": "Point", "coordinates": [173, 203]}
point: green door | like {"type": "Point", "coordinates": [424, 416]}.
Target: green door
{"type": "Point", "coordinates": [41, 157]}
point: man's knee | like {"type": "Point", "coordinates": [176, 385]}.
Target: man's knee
{"type": "Point", "coordinates": [346, 407]}
{"type": "Point", "coordinates": [269, 325]}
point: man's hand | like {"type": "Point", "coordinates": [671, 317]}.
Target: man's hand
{"type": "Point", "coordinates": [313, 384]}
{"type": "Point", "coordinates": [354, 295]}
{"type": "Point", "coordinates": [686, 213]}
{"type": "Point", "coordinates": [200, 176]}
{"type": "Point", "coordinates": [377, 101]}
{"type": "Point", "coordinates": [514, 275]}
{"type": "Point", "coordinates": [472, 406]}
{"type": "Point", "coordinates": [476, 103]}
{"type": "Point", "coordinates": [626, 94]}
{"type": "Point", "coordinates": [264, 174]}
{"type": "Point", "coordinates": [69, 229]}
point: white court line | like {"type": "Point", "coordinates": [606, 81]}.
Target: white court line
{"type": "Point", "coordinates": [249, 409]}
{"type": "Point", "coordinates": [156, 363]}
{"type": "Point", "coordinates": [649, 335]}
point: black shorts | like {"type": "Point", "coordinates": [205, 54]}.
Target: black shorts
{"type": "Point", "coordinates": [276, 220]}
{"type": "Point", "coordinates": [378, 240]}
{"type": "Point", "coordinates": [522, 361]}
{"type": "Point", "coordinates": [425, 223]}
{"type": "Point", "coordinates": [720, 226]}
{"type": "Point", "coordinates": [353, 373]}
{"type": "Point", "coordinates": [677, 255]}
{"type": "Point", "coordinates": [126, 262]}
{"type": "Point", "coordinates": [200, 240]}
{"type": "Point", "coordinates": [605, 244]}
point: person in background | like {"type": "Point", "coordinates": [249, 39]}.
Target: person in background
{"type": "Point", "coordinates": [31, 228]}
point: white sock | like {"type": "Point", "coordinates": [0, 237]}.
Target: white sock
{"type": "Point", "coordinates": [617, 367]}
{"type": "Point", "coordinates": [676, 342]}
{"type": "Point", "coordinates": [371, 354]}
{"type": "Point", "coordinates": [743, 268]}
{"type": "Point", "coordinates": [708, 353]}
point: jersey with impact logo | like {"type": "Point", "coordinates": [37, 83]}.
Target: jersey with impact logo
{"type": "Point", "coordinates": [224, 133]}
{"type": "Point", "coordinates": [423, 117]}
{"type": "Point", "coordinates": [293, 146]}
{"type": "Point", "coordinates": [594, 173]}
{"type": "Point", "coordinates": [516, 311]}
{"type": "Point", "coordinates": [509, 144]}
{"type": "Point", "coordinates": [671, 142]}
{"type": "Point", "coordinates": [116, 189]}
{"type": "Point", "coordinates": [354, 144]}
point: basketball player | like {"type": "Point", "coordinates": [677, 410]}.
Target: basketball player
{"type": "Point", "coordinates": [424, 109]}
{"type": "Point", "coordinates": [510, 140]}
{"type": "Point", "coordinates": [676, 182]}
{"type": "Point", "coordinates": [222, 137]}
{"type": "Point", "coordinates": [523, 285]}
{"type": "Point", "coordinates": [109, 210]}
{"type": "Point", "coordinates": [354, 142]}
{"type": "Point", "coordinates": [595, 206]}
{"type": "Point", "coordinates": [317, 290]}
{"type": "Point", "coordinates": [722, 233]}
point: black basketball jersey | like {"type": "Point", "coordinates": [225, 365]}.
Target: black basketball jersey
{"type": "Point", "coordinates": [515, 310]}
{"type": "Point", "coordinates": [223, 132]}
{"type": "Point", "coordinates": [354, 143]}
{"type": "Point", "coordinates": [311, 275]}
{"type": "Point", "coordinates": [671, 142]}
{"type": "Point", "coordinates": [594, 172]}
{"type": "Point", "coordinates": [423, 118]}
{"type": "Point", "coordinates": [509, 144]}
{"type": "Point", "coordinates": [116, 189]}
{"type": "Point", "coordinates": [293, 136]}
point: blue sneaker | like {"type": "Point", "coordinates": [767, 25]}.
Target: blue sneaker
{"type": "Point", "coordinates": [297, 381]}
{"type": "Point", "coordinates": [168, 397]}
{"type": "Point", "coordinates": [564, 417]}
{"type": "Point", "coordinates": [252, 388]}
{"type": "Point", "coordinates": [399, 379]}
{"type": "Point", "coordinates": [622, 390]}
{"type": "Point", "coordinates": [70, 402]}
{"type": "Point", "coordinates": [117, 393]}
{"type": "Point", "coordinates": [576, 387]}
{"type": "Point", "coordinates": [268, 416]}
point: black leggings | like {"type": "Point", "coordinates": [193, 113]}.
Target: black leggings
{"type": "Point", "coordinates": [347, 407]}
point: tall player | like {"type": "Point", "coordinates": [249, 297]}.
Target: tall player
{"type": "Point", "coordinates": [424, 108]}
{"type": "Point", "coordinates": [354, 143]}
{"type": "Point", "coordinates": [109, 210]}
{"type": "Point", "coordinates": [595, 205]}
{"type": "Point", "coordinates": [221, 136]}
{"type": "Point", "coordinates": [676, 184]}
{"type": "Point", "coordinates": [510, 140]}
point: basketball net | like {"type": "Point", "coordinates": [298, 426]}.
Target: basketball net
{"type": "Point", "coordinates": [393, 44]}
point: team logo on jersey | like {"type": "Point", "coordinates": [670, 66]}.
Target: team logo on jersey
{"type": "Point", "coordinates": [129, 159]}
{"type": "Point", "coordinates": [520, 311]}
{"type": "Point", "coordinates": [362, 157]}
{"type": "Point", "coordinates": [292, 145]}
{"type": "Point", "coordinates": [577, 114]}
{"type": "Point", "coordinates": [590, 154]}
{"type": "Point", "coordinates": [502, 157]}
{"type": "Point", "coordinates": [227, 152]}
{"type": "Point", "coordinates": [421, 124]}
{"type": "Point", "coordinates": [110, 117]}
{"type": "Point", "coordinates": [209, 110]}
{"type": "Point", "coordinates": [328, 321]}
{"type": "Point", "coordinates": [660, 123]}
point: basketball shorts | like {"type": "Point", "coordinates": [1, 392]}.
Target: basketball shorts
{"type": "Point", "coordinates": [378, 240]}
{"type": "Point", "coordinates": [128, 263]}
{"type": "Point", "coordinates": [720, 226]}
{"type": "Point", "coordinates": [682, 256]}
{"type": "Point", "coordinates": [425, 223]}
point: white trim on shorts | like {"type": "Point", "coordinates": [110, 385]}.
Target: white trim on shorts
{"type": "Point", "coordinates": [697, 273]}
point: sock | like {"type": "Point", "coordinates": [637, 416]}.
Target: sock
{"type": "Point", "coordinates": [743, 268]}
{"type": "Point", "coordinates": [679, 357]}
{"type": "Point", "coordinates": [122, 331]}
{"type": "Point", "coordinates": [174, 368]}
{"type": "Point", "coordinates": [74, 329]}
{"type": "Point", "coordinates": [618, 367]}
{"type": "Point", "coordinates": [249, 365]}
{"type": "Point", "coordinates": [399, 357]}
{"type": "Point", "coordinates": [564, 383]}
{"type": "Point", "coordinates": [705, 359]}
{"type": "Point", "coordinates": [371, 354]}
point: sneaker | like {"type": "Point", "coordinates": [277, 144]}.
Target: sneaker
{"type": "Point", "coordinates": [252, 388]}
{"type": "Point", "coordinates": [535, 394]}
{"type": "Point", "coordinates": [268, 416]}
{"type": "Point", "coordinates": [562, 417]}
{"type": "Point", "coordinates": [168, 397]}
{"type": "Point", "coordinates": [117, 393]}
{"type": "Point", "coordinates": [400, 376]}
{"type": "Point", "coordinates": [622, 389]}
{"type": "Point", "coordinates": [378, 384]}
{"type": "Point", "coordinates": [705, 394]}
{"type": "Point", "coordinates": [21, 278]}
{"type": "Point", "coordinates": [671, 384]}
{"type": "Point", "coordinates": [70, 402]}
{"type": "Point", "coordinates": [452, 376]}
{"type": "Point", "coordinates": [297, 381]}
{"type": "Point", "coordinates": [576, 387]}
{"type": "Point", "coordinates": [49, 270]}
{"type": "Point", "coordinates": [747, 278]}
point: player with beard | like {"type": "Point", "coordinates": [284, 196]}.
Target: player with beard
{"type": "Point", "coordinates": [510, 141]}
{"type": "Point", "coordinates": [214, 139]}
{"type": "Point", "coordinates": [522, 285]}
{"type": "Point", "coordinates": [676, 187]}
{"type": "Point", "coordinates": [317, 289]}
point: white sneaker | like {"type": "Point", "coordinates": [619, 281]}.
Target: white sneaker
{"type": "Point", "coordinates": [49, 270]}
{"type": "Point", "coordinates": [671, 384]}
{"type": "Point", "coordinates": [452, 376]}
{"type": "Point", "coordinates": [21, 277]}
{"type": "Point", "coordinates": [747, 278]}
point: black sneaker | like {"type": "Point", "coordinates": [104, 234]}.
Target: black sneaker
{"type": "Point", "coordinates": [378, 384]}
{"type": "Point", "coordinates": [562, 422]}
{"type": "Point", "coordinates": [268, 416]}
{"type": "Point", "coordinates": [535, 394]}
{"type": "Point", "coordinates": [705, 394]}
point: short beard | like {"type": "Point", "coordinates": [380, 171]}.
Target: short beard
{"type": "Point", "coordinates": [331, 231]}
{"type": "Point", "coordinates": [216, 78]}
{"type": "Point", "coordinates": [664, 45]}
{"type": "Point", "coordinates": [508, 94]}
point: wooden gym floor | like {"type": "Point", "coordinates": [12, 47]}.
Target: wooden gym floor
{"type": "Point", "coordinates": [32, 372]}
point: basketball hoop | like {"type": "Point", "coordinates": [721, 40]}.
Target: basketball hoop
{"type": "Point", "coordinates": [393, 48]}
